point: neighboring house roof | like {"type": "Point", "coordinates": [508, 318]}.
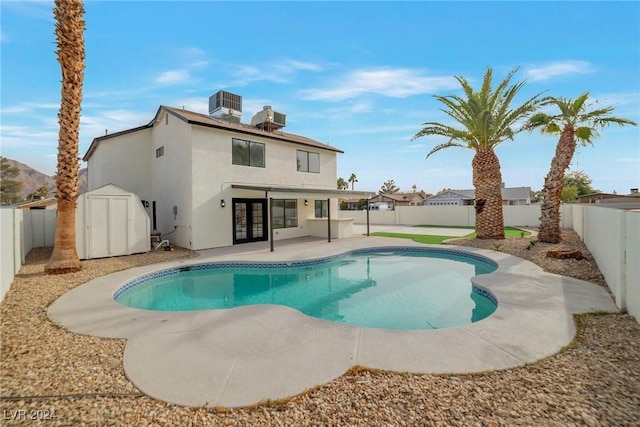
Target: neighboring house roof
{"type": "Point", "coordinates": [608, 198]}
{"type": "Point", "coordinates": [455, 194]}
{"type": "Point", "coordinates": [207, 121]}
{"type": "Point", "coordinates": [598, 195]}
{"type": "Point", "coordinates": [401, 197]}
{"type": "Point", "coordinates": [516, 193]}
{"type": "Point", "coordinates": [508, 193]}
{"type": "Point", "coordinates": [39, 204]}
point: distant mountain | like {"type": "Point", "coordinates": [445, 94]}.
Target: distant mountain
{"type": "Point", "coordinates": [33, 179]}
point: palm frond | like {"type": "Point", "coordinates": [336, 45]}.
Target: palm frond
{"type": "Point", "coordinates": [579, 103]}
{"type": "Point", "coordinates": [445, 145]}
{"type": "Point", "coordinates": [585, 135]}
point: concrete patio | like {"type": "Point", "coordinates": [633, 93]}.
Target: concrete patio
{"type": "Point", "coordinates": [246, 355]}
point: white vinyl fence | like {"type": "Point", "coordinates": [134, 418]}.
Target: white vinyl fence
{"type": "Point", "coordinates": [612, 236]}
{"type": "Point", "coordinates": [21, 231]}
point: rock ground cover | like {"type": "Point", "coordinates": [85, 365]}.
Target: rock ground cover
{"type": "Point", "coordinates": [46, 371]}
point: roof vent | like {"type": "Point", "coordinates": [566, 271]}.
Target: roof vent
{"type": "Point", "coordinates": [225, 106]}
{"type": "Point", "coordinates": [269, 120]}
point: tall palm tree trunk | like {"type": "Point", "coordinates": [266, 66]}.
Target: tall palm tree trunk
{"type": "Point", "coordinates": [551, 192]}
{"type": "Point", "coordinates": [487, 180]}
{"type": "Point", "coordinates": [70, 39]}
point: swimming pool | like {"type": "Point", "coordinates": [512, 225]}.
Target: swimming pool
{"type": "Point", "coordinates": [391, 288]}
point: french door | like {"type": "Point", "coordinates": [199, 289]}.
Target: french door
{"type": "Point", "coordinates": [249, 220]}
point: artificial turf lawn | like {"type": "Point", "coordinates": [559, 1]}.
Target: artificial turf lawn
{"type": "Point", "coordinates": [509, 232]}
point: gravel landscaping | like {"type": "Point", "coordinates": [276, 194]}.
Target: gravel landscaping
{"type": "Point", "coordinates": [49, 376]}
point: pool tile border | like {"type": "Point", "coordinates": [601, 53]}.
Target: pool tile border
{"type": "Point", "coordinates": [311, 262]}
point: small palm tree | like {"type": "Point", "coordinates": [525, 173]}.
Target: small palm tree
{"type": "Point", "coordinates": [70, 40]}
{"type": "Point", "coordinates": [353, 179]}
{"type": "Point", "coordinates": [575, 124]}
{"type": "Point", "coordinates": [342, 184]}
{"type": "Point", "coordinates": [486, 120]}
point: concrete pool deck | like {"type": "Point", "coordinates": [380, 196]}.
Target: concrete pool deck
{"type": "Point", "coordinates": [242, 356]}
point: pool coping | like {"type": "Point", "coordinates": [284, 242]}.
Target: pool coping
{"type": "Point", "coordinates": [243, 356]}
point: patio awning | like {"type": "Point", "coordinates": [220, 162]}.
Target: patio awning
{"type": "Point", "coordinates": [271, 191]}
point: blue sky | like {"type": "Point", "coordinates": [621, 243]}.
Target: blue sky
{"type": "Point", "coordinates": [357, 75]}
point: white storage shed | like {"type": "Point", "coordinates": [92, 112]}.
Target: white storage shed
{"type": "Point", "coordinates": [110, 222]}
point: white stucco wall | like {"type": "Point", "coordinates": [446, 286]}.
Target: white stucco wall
{"type": "Point", "coordinates": [124, 161]}
{"type": "Point", "coordinates": [172, 180]}
{"type": "Point", "coordinates": [213, 174]}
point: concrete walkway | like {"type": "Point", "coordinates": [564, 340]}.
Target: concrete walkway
{"type": "Point", "coordinates": [242, 356]}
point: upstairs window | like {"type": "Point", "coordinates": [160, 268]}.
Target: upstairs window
{"type": "Point", "coordinates": [247, 153]}
{"type": "Point", "coordinates": [308, 161]}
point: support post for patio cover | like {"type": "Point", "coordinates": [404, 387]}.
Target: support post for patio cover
{"type": "Point", "coordinates": [329, 219]}
{"type": "Point", "coordinates": [367, 217]}
{"type": "Point", "coordinates": [271, 223]}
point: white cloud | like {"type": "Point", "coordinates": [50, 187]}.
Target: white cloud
{"type": "Point", "coordinates": [197, 105]}
{"type": "Point", "coordinates": [291, 65]}
{"type": "Point", "coordinates": [280, 71]}
{"type": "Point", "coordinates": [390, 82]}
{"type": "Point", "coordinates": [93, 126]}
{"type": "Point", "coordinates": [29, 107]}
{"type": "Point", "coordinates": [26, 136]}
{"type": "Point", "coordinates": [394, 129]}
{"type": "Point", "coordinates": [556, 69]}
{"type": "Point", "coordinates": [173, 77]}
{"type": "Point", "coordinates": [361, 107]}
{"type": "Point", "coordinates": [630, 160]}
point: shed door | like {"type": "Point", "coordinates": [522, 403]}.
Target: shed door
{"type": "Point", "coordinates": [108, 226]}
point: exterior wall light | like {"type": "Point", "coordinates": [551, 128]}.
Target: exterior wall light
{"type": "Point", "coordinates": [306, 203]}
{"type": "Point", "coordinates": [222, 204]}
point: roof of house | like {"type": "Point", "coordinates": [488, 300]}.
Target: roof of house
{"type": "Point", "coordinates": [41, 203]}
{"type": "Point", "coordinates": [462, 194]}
{"type": "Point", "coordinates": [508, 193]}
{"type": "Point", "coordinates": [401, 197]}
{"type": "Point", "coordinates": [207, 121]}
{"type": "Point", "coordinates": [599, 195]}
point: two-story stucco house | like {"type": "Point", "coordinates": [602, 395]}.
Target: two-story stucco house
{"type": "Point", "coordinates": [211, 181]}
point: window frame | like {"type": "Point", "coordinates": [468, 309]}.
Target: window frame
{"type": "Point", "coordinates": [281, 220]}
{"type": "Point", "coordinates": [304, 164]}
{"type": "Point", "coordinates": [324, 208]}
{"type": "Point", "coordinates": [252, 149]}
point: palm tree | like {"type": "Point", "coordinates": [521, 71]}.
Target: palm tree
{"type": "Point", "coordinates": [70, 27]}
{"type": "Point", "coordinates": [353, 179]}
{"type": "Point", "coordinates": [342, 184]}
{"type": "Point", "coordinates": [575, 123]}
{"type": "Point", "coordinates": [486, 120]}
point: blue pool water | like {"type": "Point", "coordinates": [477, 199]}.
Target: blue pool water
{"type": "Point", "coordinates": [390, 288]}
